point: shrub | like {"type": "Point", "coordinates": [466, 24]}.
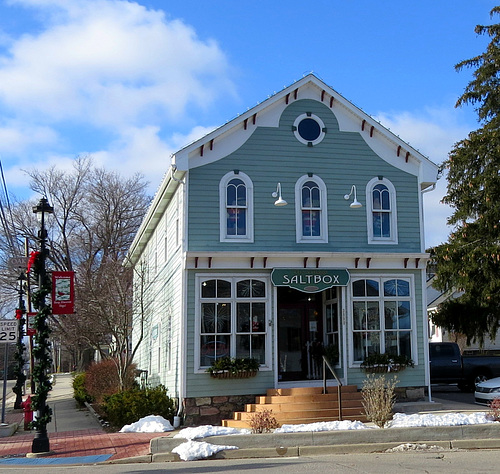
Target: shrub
{"type": "Point", "coordinates": [379, 398]}
{"type": "Point", "coordinates": [130, 406]}
{"type": "Point", "coordinates": [263, 421]}
{"type": "Point", "coordinates": [396, 362]}
{"type": "Point", "coordinates": [102, 379]}
{"type": "Point", "coordinates": [495, 409]}
{"type": "Point", "coordinates": [80, 393]}
{"type": "Point", "coordinates": [234, 365]}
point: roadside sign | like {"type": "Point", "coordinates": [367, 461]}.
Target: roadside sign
{"type": "Point", "coordinates": [8, 330]}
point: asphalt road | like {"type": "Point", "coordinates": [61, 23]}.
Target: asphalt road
{"type": "Point", "coordinates": [477, 461]}
{"type": "Point", "coordinates": [452, 393]}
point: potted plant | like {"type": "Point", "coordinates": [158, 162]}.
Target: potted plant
{"type": "Point", "coordinates": [231, 367]}
{"type": "Point", "coordinates": [381, 363]}
{"type": "Point", "coordinates": [331, 352]}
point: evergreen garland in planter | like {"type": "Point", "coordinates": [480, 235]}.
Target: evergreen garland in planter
{"type": "Point", "coordinates": [232, 368]}
{"type": "Point", "coordinates": [383, 363]}
{"type": "Point", "coordinates": [19, 358]}
{"type": "Point", "coordinates": [41, 349]}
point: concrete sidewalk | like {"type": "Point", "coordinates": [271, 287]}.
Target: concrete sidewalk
{"type": "Point", "coordinates": [75, 433]}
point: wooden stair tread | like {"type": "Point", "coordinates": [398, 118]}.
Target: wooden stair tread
{"type": "Point", "coordinates": [317, 405]}
{"type": "Point", "coordinates": [309, 390]}
{"type": "Point", "coordinates": [303, 405]}
{"type": "Point", "coordinates": [293, 421]}
{"type": "Point", "coordinates": [306, 398]}
{"type": "Point", "coordinates": [287, 415]}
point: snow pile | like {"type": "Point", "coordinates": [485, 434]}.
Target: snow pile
{"type": "Point", "coordinates": [413, 447]}
{"type": "Point", "coordinates": [148, 424]}
{"type": "Point", "coordinates": [401, 420]}
{"type": "Point", "coordinates": [193, 450]}
{"type": "Point", "coordinates": [209, 430]}
{"type": "Point", "coordinates": [323, 426]}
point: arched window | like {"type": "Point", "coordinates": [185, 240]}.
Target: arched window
{"type": "Point", "coordinates": [311, 213]}
{"type": "Point", "coordinates": [381, 212]}
{"type": "Point", "coordinates": [236, 207]}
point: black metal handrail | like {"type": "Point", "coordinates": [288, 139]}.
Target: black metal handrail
{"type": "Point", "coordinates": [326, 363]}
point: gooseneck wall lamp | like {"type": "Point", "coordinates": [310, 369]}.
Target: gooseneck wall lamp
{"type": "Point", "coordinates": [42, 344]}
{"type": "Point", "coordinates": [355, 204]}
{"type": "Point", "coordinates": [277, 194]}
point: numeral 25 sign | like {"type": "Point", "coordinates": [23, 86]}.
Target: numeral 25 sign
{"type": "Point", "coordinates": [8, 330]}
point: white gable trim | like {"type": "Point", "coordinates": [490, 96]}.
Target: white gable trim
{"type": "Point", "coordinates": [234, 134]}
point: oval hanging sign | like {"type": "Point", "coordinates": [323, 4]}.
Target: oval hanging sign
{"type": "Point", "coordinates": [309, 280]}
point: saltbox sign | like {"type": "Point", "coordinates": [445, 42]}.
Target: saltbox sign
{"type": "Point", "coordinates": [309, 280]}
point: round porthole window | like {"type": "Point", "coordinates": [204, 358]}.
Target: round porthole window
{"type": "Point", "coordinates": [309, 129]}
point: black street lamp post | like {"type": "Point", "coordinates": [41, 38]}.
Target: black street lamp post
{"type": "Point", "coordinates": [19, 371]}
{"type": "Point", "coordinates": [41, 350]}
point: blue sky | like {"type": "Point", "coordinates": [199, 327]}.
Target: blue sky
{"type": "Point", "coordinates": [132, 82]}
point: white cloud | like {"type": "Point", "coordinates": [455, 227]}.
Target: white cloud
{"type": "Point", "coordinates": [17, 136]}
{"type": "Point", "coordinates": [433, 132]}
{"type": "Point", "coordinates": [105, 77]}
{"type": "Point", "coordinates": [137, 150]}
{"type": "Point", "coordinates": [110, 63]}
{"type": "Point", "coordinates": [181, 140]}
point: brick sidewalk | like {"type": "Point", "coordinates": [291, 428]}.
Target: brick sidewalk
{"type": "Point", "coordinates": [82, 443]}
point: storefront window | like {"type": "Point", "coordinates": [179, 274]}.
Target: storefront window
{"type": "Point", "coordinates": [233, 315]}
{"type": "Point", "coordinates": [381, 320]}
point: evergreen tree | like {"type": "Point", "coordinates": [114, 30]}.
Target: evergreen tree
{"type": "Point", "coordinates": [470, 260]}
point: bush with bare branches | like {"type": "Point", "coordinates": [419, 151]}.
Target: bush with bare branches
{"type": "Point", "coordinates": [263, 421]}
{"type": "Point", "coordinates": [379, 398]}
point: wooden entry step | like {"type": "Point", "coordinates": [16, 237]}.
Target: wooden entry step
{"type": "Point", "coordinates": [301, 405]}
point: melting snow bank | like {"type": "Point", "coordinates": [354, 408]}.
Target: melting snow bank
{"type": "Point", "coordinates": [148, 424]}
{"type": "Point", "coordinates": [193, 450]}
{"type": "Point", "coordinates": [401, 420]}
{"type": "Point", "coordinates": [414, 447]}
{"type": "Point", "coordinates": [323, 426]}
{"type": "Point", "coordinates": [209, 430]}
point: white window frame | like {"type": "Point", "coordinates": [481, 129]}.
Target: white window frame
{"type": "Point", "coordinates": [323, 237]}
{"type": "Point", "coordinates": [233, 278]}
{"type": "Point", "coordinates": [224, 237]}
{"type": "Point", "coordinates": [317, 120]}
{"type": "Point", "coordinates": [393, 238]}
{"type": "Point", "coordinates": [380, 299]}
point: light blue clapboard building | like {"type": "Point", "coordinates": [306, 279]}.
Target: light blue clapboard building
{"type": "Point", "coordinates": [296, 227]}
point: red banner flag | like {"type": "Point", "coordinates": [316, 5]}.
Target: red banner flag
{"type": "Point", "coordinates": [63, 292]}
{"type": "Point", "coordinates": [30, 324]}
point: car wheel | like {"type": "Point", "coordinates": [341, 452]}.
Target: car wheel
{"type": "Point", "coordinates": [480, 377]}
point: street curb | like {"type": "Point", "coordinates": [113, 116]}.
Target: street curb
{"type": "Point", "coordinates": [483, 436]}
{"type": "Point", "coordinates": [393, 436]}
{"type": "Point", "coordinates": [96, 415]}
{"type": "Point", "coordinates": [320, 450]}
{"type": "Point", "coordinates": [147, 458]}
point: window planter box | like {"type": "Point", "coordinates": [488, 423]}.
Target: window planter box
{"type": "Point", "coordinates": [383, 368]}
{"type": "Point", "coordinates": [226, 374]}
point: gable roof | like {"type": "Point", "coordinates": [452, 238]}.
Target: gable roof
{"type": "Point", "coordinates": [233, 134]}
{"type": "Point", "coordinates": [230, 136]}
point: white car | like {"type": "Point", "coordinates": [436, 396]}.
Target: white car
{"type": "Point", "coordinates": [487, 391]}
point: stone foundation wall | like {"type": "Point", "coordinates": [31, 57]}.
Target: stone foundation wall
{"type": "Point", "coordinates": [212, 410]}
{"type": "Point", "coordinates": [409, 394]}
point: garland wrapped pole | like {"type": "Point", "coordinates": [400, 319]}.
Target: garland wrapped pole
{"type": "Point", "coordinates": [19, 357]}
{"type": "Point", "coordinates": [41, 350]}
